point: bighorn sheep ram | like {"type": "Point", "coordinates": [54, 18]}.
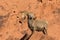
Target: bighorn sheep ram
{"type": "Point", "coordinates": [34, 24]}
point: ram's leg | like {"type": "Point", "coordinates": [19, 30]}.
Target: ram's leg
{"type": "Point", "coordinates": [23, 37]}
{"type": "Point", "coordinates": [26, 37]}
{"type": "Point", "coordinates": [45, 31]}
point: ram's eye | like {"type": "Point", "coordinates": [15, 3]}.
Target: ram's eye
{"type": "Point", "coordinates": [30, 18]}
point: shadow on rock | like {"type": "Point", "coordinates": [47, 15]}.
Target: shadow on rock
{"type": "Point", "coordinates": [46, 38]}
{"type": "Point", "coordinates": [3, 19]}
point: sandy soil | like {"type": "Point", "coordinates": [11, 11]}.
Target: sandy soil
{"type": "Point", "coordinates": [11, 29]}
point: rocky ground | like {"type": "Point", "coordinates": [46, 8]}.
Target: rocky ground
{"type": "Point", "coordinates": [12, 29]}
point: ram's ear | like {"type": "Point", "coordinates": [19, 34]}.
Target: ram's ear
{"type": "Point", "coordinates": [25, 12]}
